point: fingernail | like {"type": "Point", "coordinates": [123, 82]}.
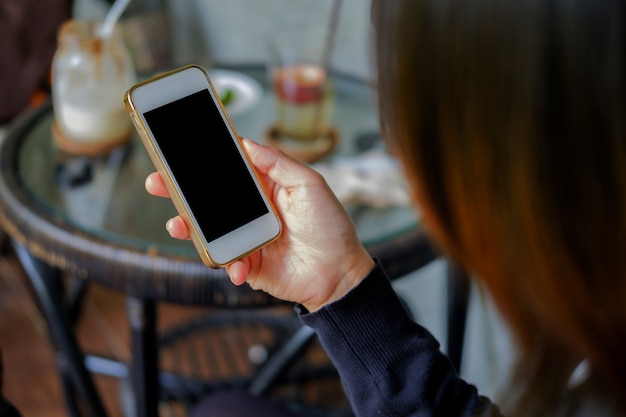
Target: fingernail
{"type": "Point", "coordinates": [169, 225]}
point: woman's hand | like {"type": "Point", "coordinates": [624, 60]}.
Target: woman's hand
{"type": "Point", "coordinates": [318, 258]}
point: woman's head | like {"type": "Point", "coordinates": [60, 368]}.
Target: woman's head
{"type": "Point", "coordinates": [510, 120]}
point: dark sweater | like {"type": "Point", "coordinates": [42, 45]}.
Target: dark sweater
{"type": "Point", "coordinates": [389, 365]}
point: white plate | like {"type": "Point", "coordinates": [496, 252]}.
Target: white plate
{"type": "Point", "coordinates": [246, 90]}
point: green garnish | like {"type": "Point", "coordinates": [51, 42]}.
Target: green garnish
{"type": "Point", "coordinates": [227, 96]}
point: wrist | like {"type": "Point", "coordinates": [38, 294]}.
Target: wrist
{"type": "Point", "coordinates": [361, 266]}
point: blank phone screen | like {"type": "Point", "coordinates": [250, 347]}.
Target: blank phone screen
{"type": "Point", "coordinates": [206, 164]}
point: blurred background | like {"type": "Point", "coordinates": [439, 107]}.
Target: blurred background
{"type": "Point", "coordinates": [236, 31]}
{"type": "Point", "coordinates": [169, 33]}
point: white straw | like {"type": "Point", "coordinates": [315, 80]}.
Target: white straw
{"type": "Point", "coordinates": [112, 16]}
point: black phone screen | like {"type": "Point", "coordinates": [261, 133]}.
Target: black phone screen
{"type": "Point", "coordinates": [206, 163]}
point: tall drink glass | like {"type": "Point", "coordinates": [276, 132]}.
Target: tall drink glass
{"type": "Point", "coordinates": [302, 89]}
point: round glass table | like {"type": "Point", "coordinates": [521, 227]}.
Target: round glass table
{"type": "Point", "coordinates": [92, 218]}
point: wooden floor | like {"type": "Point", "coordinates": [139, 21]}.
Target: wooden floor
{"type": "Point", "coordinates": [30, 378]}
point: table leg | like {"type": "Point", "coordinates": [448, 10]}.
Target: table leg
{"type": "Point", "coordinates": [44, 281]}
{"type": "Point", "coordinates": [458, 296]}
{"type": "Point", "coordinates": [142, 320]}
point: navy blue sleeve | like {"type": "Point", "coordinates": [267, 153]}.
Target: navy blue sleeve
{"type": "Point", "coordinates": [388, 364]}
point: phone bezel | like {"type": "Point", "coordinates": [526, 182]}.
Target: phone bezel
{"type": "Point", "coordinates": [169, 87]}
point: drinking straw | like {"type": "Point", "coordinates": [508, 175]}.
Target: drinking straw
{"type": "Point", "coordinates": [112, 17]}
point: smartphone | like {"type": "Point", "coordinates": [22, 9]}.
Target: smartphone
{"type": "Point", "coordinates": [194, 146]}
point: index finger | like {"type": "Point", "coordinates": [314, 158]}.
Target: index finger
{"type": "Point", "coordinates": [280, 168]}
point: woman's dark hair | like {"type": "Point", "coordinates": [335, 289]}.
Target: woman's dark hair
{"type": "Point", "coordinates": [509, 118]}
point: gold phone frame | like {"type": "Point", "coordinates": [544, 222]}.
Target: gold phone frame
{"type": "Point", "coordinates": [198, 239]}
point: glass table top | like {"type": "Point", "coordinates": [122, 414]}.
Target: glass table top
{"type": "Point", "coordinates": [105, 195]}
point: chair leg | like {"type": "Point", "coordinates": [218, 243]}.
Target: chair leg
{"type": "Point", "coordinates": [458, 300]}
{"type": "Point", "coordinates": [277, 363]}
{"type": "Point", "coordinates": [43, 280]}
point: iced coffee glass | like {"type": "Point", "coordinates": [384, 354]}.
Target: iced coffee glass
{"type": "Point", "coordinates": [303, 92]}
{"type": "Point", "coordinates": [90, 75]}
